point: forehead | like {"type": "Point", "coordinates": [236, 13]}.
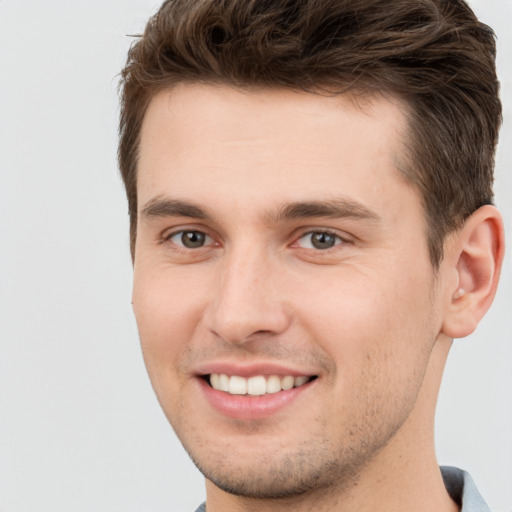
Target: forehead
{"type": "Point", "coordinates": [198, 108]}
{"type": "Point", "coordinates": [296, 144]}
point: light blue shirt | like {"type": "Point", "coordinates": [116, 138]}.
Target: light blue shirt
{"type": "Point", "coordinates": [460, 487]}
{"type": "Point", "coordinates": [463, 490]}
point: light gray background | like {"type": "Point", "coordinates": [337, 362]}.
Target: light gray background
{"type": "Point", "coordinates": [80, 429]}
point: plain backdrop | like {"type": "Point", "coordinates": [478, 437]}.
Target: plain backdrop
{"type": "Point", "coordinates": [80, 429]}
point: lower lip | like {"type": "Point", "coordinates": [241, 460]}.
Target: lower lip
{"type": "Point", "coordinates": [245, 407]}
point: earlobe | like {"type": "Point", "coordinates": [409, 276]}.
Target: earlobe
{"type": "Point", "coordinates": [476, 256]}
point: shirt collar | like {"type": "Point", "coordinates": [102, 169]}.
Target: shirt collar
{"type": "Point", "coordinates": [463, 490]}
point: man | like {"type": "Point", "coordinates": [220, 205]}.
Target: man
{"type": "Point", "coordinates": [310, 194]}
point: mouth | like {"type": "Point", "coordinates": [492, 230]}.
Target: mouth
{"type": "Point", "coordinates": [253, 392]}
{"type": "Point", "coordinates": [256, 385]}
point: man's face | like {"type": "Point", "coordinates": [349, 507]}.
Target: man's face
{"type": "Point", "coordinates": [279, 246]}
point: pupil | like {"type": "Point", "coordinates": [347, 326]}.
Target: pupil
{"type": "Point", "coordinates": [322, 240]}
{"type": "Point", "coordinates": [192, 239]}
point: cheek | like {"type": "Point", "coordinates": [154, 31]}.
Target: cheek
{"type": "Point", "coordinates": [367, 322]}
{"type": "Point", "coordinates": [380, 338]}
{"type": "Point", "coordinates": [167, 310]}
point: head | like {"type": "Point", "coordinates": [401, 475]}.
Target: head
{"type": "Point", "coordinates": [309, 187]}
{"type": "Point", "coordinates": [433, 55]}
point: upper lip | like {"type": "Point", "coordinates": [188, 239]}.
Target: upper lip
{"type": "Point", "coordinates": [250, 369]}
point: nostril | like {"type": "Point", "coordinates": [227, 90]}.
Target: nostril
{"type": "Point", "coordinates": [262, 332]}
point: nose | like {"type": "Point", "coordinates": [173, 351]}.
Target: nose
{"type": "Point", "coordinates": [248, 299]}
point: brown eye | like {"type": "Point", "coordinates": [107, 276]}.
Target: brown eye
{"type": "Point", "coordinates": [190, 239]}
{"type": "Point", "coordinates": [320, 240]}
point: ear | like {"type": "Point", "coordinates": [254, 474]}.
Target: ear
{"type": "Point", "coordinates": [474, 257]}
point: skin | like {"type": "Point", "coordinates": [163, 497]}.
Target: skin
{"type": "Point", "coordinates": [368, 316]}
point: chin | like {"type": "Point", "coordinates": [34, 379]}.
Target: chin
{"type": "Point", "coordinates": [279, 473]}
{"type": "Point", "coordinates": [286, 481]}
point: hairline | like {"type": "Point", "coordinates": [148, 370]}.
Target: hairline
{"type": "Point", "coordinates": [359, 96]}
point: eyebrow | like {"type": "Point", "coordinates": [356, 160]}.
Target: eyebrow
{"type": "Point", "coordinates": [334, 209]}
{"type": "Point", "coordinates": [164, 207]}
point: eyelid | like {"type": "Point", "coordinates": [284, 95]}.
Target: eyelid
{"type": "Point", "coordinates": [342, 237]}
{"type": "Point", "coordinates": [169, 233]}
{"type": "Point", "coordinates": [207, 239]}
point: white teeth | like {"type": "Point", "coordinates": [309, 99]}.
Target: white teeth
{"type": "Point", "coordinates": [299, 381]}
{"type": "Point", "coordinates": [273, 384]}
{"type": "Point", "coordinates": [223, 382]}
{"type": "Point", "coordinates": [237, 385]}
{"type": "Point", "coordinates": [287, 382]}
{"type": "Point", "coordinates": [255, 386]}
{"type": "Point", "coordinates": [214, 380]}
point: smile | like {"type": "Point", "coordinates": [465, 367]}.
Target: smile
{"type": "Point", "coordinates": [253, 392]}
{"type": "Point", "coordinates": [257, 385]}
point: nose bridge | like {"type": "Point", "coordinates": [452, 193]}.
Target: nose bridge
{"type": "Point", "coordinates": [248, 298]}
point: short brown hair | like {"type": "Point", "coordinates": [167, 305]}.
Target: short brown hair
{"type": "Point", "coordinates": [433, 54]}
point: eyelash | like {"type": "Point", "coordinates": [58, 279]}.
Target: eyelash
{"type": "Point", "coordinates": [182, 232]}
{"type": "Point", "coordinates": [339, 240]}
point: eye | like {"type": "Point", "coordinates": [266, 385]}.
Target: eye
{"type": "Point", "coordinates": [190, 239]}
{"type": "Point", "coordinates": [320, 240]}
